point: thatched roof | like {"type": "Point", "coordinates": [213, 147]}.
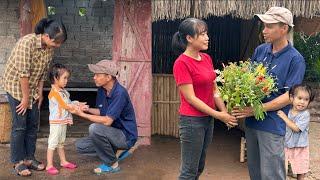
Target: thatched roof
{"type": "Point", "coordinates": [179, 9]}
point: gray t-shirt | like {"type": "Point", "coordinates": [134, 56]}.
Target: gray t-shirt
{"type": "Point", "coordinates": [298, 139]}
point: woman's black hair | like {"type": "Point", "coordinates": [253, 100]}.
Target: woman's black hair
{"type": "Point", "coordinates": [56, 71]}
{"type": "Point", "coordinates": [191, 27]}
{"type": "Point", "coordinates": [55, 29]}
{"type": "Point", "coordinates": [294, 90]}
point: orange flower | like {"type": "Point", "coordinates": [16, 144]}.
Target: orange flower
{"type": "Point", "coordinates": [265, 89]}
{"type": "Point", "coordinates": [259, 79]}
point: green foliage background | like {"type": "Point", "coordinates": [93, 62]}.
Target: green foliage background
{"type": "Point", "coordinates": [309, 47]}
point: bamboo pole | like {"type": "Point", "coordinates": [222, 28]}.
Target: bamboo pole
{"type": "Point", "coordinates": [161, 105]}
{"type": "Point", "coordinates": [157, 107]}
{"type": "Point", "coordinates": [158, 118]}
{"type": "Point", "coordinates": [167, 98]}
{"type": "Point", "coordinates": [153, 107]}
{"type": "Point", "coordinates": [172, 117]}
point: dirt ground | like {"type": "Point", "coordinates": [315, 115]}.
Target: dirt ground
{"type": "Point", "coordinates": [161, 160]}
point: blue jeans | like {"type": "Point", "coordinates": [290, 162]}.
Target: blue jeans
{"type": "Point", "coordinates": [195, 137]}
{"type": "Point", "coordinates": [103, 141]}
{"type": "Point", "coordinates": [24, 132]}
{"type": "Point", "coordinates": [265, 153]}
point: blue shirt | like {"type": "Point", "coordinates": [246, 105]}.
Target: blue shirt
{"type": "Point", "coordinates": [288, 68]}
{"type": "Point", "coordinates": [117, 105]}
{"type": "Point", "coordinates": [298, 139]}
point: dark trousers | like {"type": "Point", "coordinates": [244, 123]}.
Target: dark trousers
{"type": "Point", "coordinates": [24, 132]}
{"type": "Point", "coordinates": [103, 141]}
{"type": "Point", "coordinates": [265, 153]}
{"type": "Point", "coordinates": [195, 136]}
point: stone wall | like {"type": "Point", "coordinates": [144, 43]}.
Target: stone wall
{"type": "Point", "coordinates": [89, 36]}
{"type": "Point", "coordinates": [9, 30]}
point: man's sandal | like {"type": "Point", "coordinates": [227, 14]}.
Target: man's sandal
{"type": "Point", "coordinates": [105, 169]}
{"type": "Point", "coordinates": [125, 154]}
{"type": "Point", "coordinates": [22, 170]}
{"type": "Point", "coordinates": [34, 165]}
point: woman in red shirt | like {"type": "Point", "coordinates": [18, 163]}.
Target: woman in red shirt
{"type": "Point", "coordinates": [195, 77]}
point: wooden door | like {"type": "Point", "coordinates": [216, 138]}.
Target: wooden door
{"type": "Point", "coordinates": [132, 49]}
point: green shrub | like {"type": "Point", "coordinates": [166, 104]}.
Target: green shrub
{"type": "Point", "coordinates": [309, 47]}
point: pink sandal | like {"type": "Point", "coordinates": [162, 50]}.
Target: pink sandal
{"type": "Point", "coordinates": [69, 166]}
{"type": "Point", "coordinates": [52, 171]}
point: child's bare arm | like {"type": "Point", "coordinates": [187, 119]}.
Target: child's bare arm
{"type": "Point", "coordinates": [71, 107]}
{"type": "Point", "coordinates": [83, 106]}
{"type": "Point", "coordinates": [289, 123]}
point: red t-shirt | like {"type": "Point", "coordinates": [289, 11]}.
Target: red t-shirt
{"type": "Point", "coordinates": [201, 75]}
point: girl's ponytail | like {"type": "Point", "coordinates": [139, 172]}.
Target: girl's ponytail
{"type": "Point", "coordinates": [55, 29]}
{"type": "Point", "coordinates": [191, 27]}
{"type": "Point", "coordinates": [40, 26]}
{"type": "Point", "coordinates": [178, 44]}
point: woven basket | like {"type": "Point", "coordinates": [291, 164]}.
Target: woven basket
{"type": "Point", "coordinates": [5, 122]}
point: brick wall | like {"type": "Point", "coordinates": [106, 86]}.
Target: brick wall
{"type": "Point", "coordinates": [9, 30]}
{"type": "Point", "coordinates": [89, 37]}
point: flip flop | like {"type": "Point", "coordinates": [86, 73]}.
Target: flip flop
{"type": "Point", "coordinates": [21, 167]}
{"type": "Point", "coordinates": [69, 166]}
{"type": "Point", "coordinates": [124, 155]}
{"type": "Point", "coordinates": [34, 165]}
{"type": "Point", "coordinates": [105, 169]}
{"type": "Point", "coordinates": [52, 171]}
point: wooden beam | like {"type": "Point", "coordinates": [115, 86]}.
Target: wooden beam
{"type": "Point", "coordinates": [25, 20]}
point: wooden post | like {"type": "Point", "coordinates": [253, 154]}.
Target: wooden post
{"type": "Point", "coordinates": [242, 149]}
{"type": "Point", "coordinates": [25, 17]}
{"type": "Point", "coordinates": [5, 120]}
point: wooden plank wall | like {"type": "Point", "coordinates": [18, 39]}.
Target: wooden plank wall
{"type": "Point", "coordinates": [166, 103]}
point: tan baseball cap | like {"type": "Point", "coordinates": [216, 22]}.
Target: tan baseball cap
{"type": "Point", "coordinates": [276, 15]}
{"type": "Point", "coordinates": [106, 67]}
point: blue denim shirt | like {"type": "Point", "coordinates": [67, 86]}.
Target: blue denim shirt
{"type": "Point", "coordinates": [298, 139]}
{"type": "Point", "coordinates": [288, 67]}
{"type": "Point", "coordinates": [117, 105]}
